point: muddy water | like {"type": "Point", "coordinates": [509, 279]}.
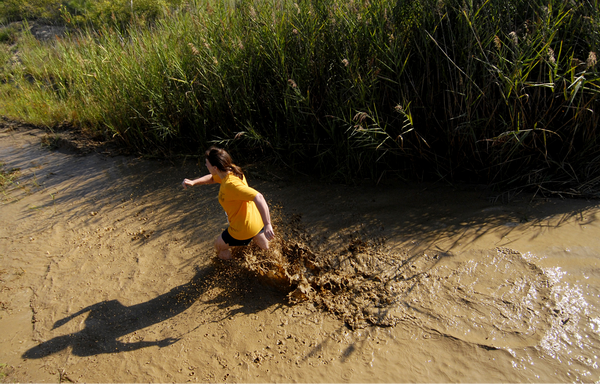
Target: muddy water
{"type": "Point", "coordinates": [107, 274]}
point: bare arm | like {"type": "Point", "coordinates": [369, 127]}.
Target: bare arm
{"type": "Point", "coordinates": [263, 208]}
{"type": "Point", "coordinates": [206, 179]}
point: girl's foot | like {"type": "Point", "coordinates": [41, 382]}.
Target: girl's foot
{"type": "Point", "coordinates": [225, 254]}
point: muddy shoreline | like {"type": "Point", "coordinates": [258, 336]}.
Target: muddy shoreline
{"type": "Point", "coordinates": [108, 275]}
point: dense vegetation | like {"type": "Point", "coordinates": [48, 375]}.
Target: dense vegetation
{"type": "Point", "coordinates": [504, 93]}
{"type": "Point", "coordinates": [84, 13]}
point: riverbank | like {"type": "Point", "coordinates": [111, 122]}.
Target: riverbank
{"type": "Point", "coordinates": [108, 275]}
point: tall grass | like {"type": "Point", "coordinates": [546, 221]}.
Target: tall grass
{"type": "Point", "coordinates": [84, 12]}
{"type": "Point", "coordinates": [496, 92]}
{"type": "Point", "coordinates": [11, 10]}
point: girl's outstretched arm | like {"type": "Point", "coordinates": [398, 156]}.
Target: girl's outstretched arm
{"type": "Point", "coordinates": [263, 208]}
{"type": "Point", "coordinates": [206, 179]}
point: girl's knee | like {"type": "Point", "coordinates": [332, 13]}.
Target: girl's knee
{"type": "Point", "coordinates": [223, 250]}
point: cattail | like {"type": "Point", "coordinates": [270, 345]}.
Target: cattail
{"type": "Point", "coordinates": [497, 42]}
{"type": "Point", "coordinates": [591, 60]}
{"type": "Point", "coordinates": [551, 58]}
{"type": "Point", "coordinates": [195, 50]}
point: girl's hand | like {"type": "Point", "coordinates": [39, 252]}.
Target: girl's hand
{"type": "Point", "coordinates": [269, 233]}
{"type": "Point", "coordinates": [204, 180]}
{"type": "Point", "coordinates": [186, 183]}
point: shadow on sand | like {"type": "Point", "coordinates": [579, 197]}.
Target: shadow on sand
{"type": "Point", "coordinates": [107, 321]}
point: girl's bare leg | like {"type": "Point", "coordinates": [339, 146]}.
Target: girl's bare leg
{"type": "Point", "coordinates": [261, 241]}
{"type": "Point", "coordinates": [223, 250]}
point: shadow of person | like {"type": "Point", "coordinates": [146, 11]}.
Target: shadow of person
{"type": "Point", "coordinates": [109, 320]}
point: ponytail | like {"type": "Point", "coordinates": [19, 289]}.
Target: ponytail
{"type": "Point", "coordinates": [236, 171]}
{"type": "Point", "coordinates": [219, 158]}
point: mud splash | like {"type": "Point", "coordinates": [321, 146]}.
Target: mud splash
{"type": "Point", "coordinates": [494, 299]}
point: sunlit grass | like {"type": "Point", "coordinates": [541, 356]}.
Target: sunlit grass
{"type": "Point", "coordinates": [7, 177]}
{"type": "Point", "coordinates": [490, 92]}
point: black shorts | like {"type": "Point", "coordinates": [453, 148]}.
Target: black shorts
{"type": "Point", "coordinates": [235, 242]}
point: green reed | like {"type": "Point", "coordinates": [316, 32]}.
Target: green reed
{"type": "Point", "coordinates": [494, 92]}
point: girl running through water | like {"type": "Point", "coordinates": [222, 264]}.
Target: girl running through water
{"type": "Point", "coordinates": [247, 210]}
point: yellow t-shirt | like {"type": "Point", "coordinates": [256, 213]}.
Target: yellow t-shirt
{"type": "Point", "coordinates": [236, 198]}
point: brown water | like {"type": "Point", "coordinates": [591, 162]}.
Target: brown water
{"type": "Point", "coordinates": [107, 274]}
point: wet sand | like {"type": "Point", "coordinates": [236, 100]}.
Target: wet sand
{"type": "Point", "coordinates": [108, 274]}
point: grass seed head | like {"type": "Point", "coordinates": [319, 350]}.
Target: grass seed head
{"type": "Point", "coordinates": [591, 60]}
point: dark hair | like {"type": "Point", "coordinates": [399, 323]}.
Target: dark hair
{"type": "Point", "coordinates": [219, 158]}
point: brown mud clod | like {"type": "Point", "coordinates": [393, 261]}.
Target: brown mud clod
{"type": "Point", "coordinates": [352, 283]}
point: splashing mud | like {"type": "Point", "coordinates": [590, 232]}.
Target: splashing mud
{"type": "Point", "coordinates": [494, 299]}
